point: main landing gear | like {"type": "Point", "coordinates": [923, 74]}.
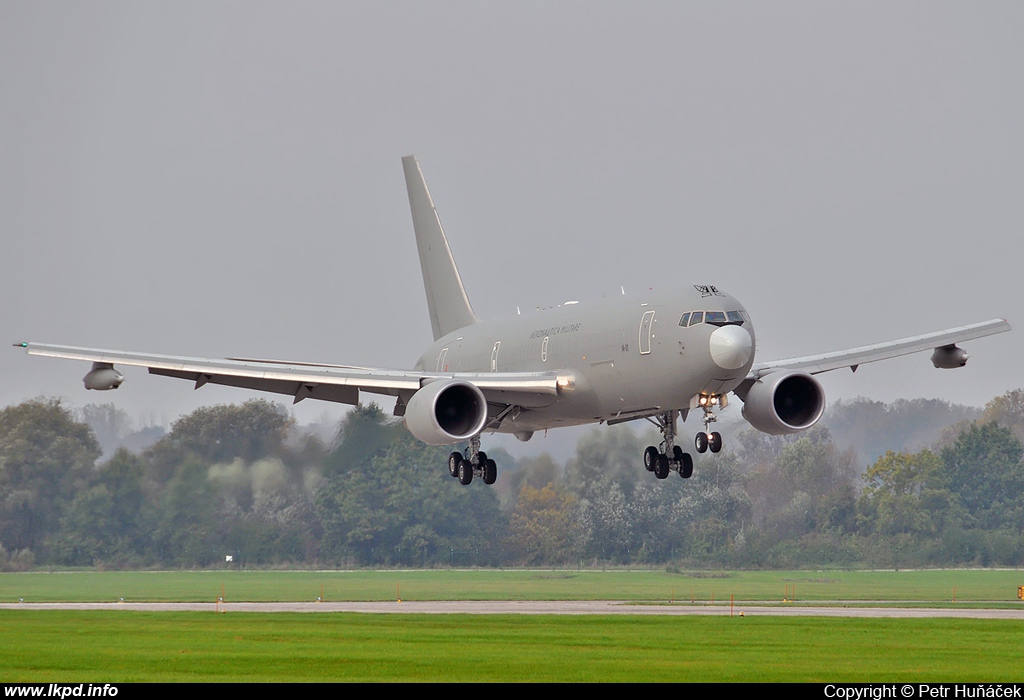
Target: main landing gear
{"type": "Point", "coordinates": [709, 440]}
{"type": "Point", "coordinates": [671, 456]}
{"type": "Point", "coordinates": [475, 461]}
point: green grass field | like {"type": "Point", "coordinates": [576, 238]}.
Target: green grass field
{"type": "Point", "coordinates": [126, 646]}
{"type": "Point", "coordinates": [119, 646]}
{"type": "Point", "coordinates": [930, 586]}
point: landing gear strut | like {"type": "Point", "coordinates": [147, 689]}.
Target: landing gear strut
{"type": "Point", "coordinates": [709, 440]}
{"type": "Point", "coordinates": [671, 456]}
{"type": "Point", "coordinates": [474, 461]}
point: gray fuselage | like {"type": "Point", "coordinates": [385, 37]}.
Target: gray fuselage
{"type": "Point", "coordinates": [626, 357]}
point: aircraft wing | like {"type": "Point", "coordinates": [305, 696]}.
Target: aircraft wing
{"type": "Point", "coordinates": [302, 380]}
{"type": "Point", "coordinates": [854, 357]}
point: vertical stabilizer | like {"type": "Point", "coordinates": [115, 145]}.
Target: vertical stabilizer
{"type": "Point", "coordinates": [446, 297]}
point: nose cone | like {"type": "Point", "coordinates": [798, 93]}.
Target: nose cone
{"type": "Point", "coordinates": [731, 347]}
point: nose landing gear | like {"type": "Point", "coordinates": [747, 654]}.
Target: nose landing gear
{"type": "Point", "coordinates": [709, 440]}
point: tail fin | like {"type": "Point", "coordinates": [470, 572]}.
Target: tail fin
{"type": "Point", "coordinates": [446, 297]}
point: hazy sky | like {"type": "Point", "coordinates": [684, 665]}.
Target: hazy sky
{"type": "Point", "coordinates": [224, 178]}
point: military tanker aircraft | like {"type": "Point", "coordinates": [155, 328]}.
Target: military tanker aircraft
{"type": "Point", "coordinates": [655, 356]}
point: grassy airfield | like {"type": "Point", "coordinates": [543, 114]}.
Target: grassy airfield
{"type": "Point", "coordinates": [119, 646]}
{"type": "Point", "coordinates": [131, 646]}
{"type": "Point", "coordinates": [931, 587]}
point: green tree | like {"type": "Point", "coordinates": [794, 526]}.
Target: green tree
{"type": "Point", "coordinates": [983, 468]}
{"type": "Point", "coordinates": [185, 531]}
{"type": "Point", "coordinates": [1008, 411]}
{"type": "Point", "coordinates": [541, 530]}
{"type": "Point", "coordinates": [905, 494]}
{"type": "Point", "coordinates": [614, 453]}
{"type": "Point", "coordinates": [804, 488]}
{"type": "Point", "coordinates": [401, 506]}
{"type": "Point", "coordinates": [216, 434]}
{"type": "Point", "coordinates": [45, 459]}
{"type": "Point", "coordinates": [106, 522]}
{"type": "Point", "coordinates": [365, 433]}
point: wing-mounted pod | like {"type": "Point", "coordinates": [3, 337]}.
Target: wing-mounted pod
{"type": "Point", "coordinates": [949, 357]}
{"type": "Point", "coordinates": [780, 403]}
{"type": "Point", "coordinates": [446, 411]}
{"type": "Point", "coordinates": [102, 377]}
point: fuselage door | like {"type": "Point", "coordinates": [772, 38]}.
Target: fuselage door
{"type": "Point", "coordinates": [646, 326]}
{"type": "Point", "coordinates": [441, 367]}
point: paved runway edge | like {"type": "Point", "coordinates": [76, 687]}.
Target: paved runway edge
{"type": "Point", "coordinates": [572, 607]}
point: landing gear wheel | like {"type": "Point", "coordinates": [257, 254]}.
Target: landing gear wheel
{"type": "Point", "coordinates": [453, 463]}
{"type": "Point", "coordinates": [481, 457]}
{"type": "Point", "coordinates": [700, 443]}
{"type": "Point", "coordinates": [661, 467]}
{"type": "Point", "coordinates": [686, 466]}
{"type": "Point", "coordinates": [465, 472]}
{"type": "Point", "coordinates": [715, 442]}
{"type": "Point", "coordinates": [677, 454]}
{"type": "Point", "coordinates": [650, 458]}
{"type": "Point", "coordinates": [490, 472]}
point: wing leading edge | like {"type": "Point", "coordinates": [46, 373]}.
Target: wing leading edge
{"type": "Point", "coordinates": [337, 383]}
{"type": "Point", "coordinates": [854, 357]}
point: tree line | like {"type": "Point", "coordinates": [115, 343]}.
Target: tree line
{"type": "Point", "coordinates": [243, 482]}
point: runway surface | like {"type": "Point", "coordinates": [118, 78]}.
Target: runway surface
{"type": "Point", "coordinates": [570, 607]}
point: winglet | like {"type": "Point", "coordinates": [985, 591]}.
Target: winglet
{"type": "Point", "coordinates": [447, 301]}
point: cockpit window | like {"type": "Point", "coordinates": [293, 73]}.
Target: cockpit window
{"type": "Point", "coordinates": [715, 318]}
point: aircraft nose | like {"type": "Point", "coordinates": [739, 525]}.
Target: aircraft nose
{"type": "Point", "coordinates": [731, 347]}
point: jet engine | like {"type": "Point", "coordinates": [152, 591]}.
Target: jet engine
{"type": "Point", "coordinates": [102, 376]}
{"type": "Point", "coordinates": [446, 411]}
{"type": "Point", "coordinates": [781, 403]}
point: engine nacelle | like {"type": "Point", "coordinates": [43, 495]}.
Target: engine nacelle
{"type": "Point", "coordinates": [102, 377]}
{"type": "Point", "coordinates": [781, 403]}
{"type": "Point", "coordinates": [446, 411]}
{"type": "Point", "coordinates": [949, 357]}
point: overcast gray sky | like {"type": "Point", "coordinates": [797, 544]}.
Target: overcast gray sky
{"type": "Point", "coordinates": [224, 178]}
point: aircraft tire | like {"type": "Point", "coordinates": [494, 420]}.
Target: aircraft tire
{"type": "Point", "coordinates": [650, 458]}
{"type": "Point", "coordinates": [465, 472]}
{"type": "Point", "coordinates": [700, 443]}
{"type": "Point", "coordinates": [715, 443]}
{"type": "Point", "coordinates": [453, 463]}
{"type": "Point", "coordinates": [677, 454]}
{"type": "Point", "coordinates": [661, 467]}
{"type": "Point", "coordinates": [686, 467]}
{"type": "Point", "coordinates": [490, 472]}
